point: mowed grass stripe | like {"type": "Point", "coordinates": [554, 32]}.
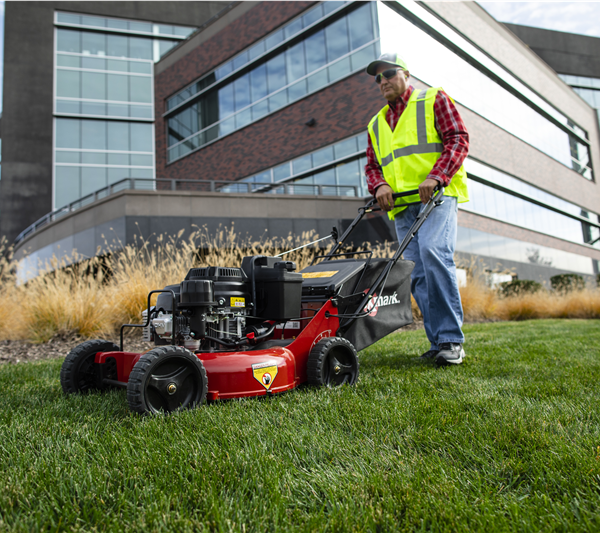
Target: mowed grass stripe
{"type": "Point", "coordinates": [509, 441]}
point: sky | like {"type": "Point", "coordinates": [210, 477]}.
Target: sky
{"type": "Point", "coordinates": [572, 17]}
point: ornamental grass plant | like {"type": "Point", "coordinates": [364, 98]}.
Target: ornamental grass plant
{"type": "Point", "coordinates": [93, 298]}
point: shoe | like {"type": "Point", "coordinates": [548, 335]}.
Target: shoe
{"type": "Point", "coordinates": [429, 355]}
{"type": "Point", "coordinates": [450, 354]}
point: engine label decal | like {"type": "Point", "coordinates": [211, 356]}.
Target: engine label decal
{"type": "Point", "coordinates": [237, 302]}
{"type": "Point", "coordinates": [289, 325]}
{"type": "Point", "coordinates": [324, 274]}
{"type": "Point", "coordinates": [265, 373]}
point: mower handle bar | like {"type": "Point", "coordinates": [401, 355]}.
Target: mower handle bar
{"type": "Point", "coordinates": [434, 201]}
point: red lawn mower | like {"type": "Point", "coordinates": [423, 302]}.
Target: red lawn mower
{"type": "Point", "coordinates": [255, 330]}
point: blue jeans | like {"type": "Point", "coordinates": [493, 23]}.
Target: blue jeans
{"type": "Point", "coordinates": [433, 280]}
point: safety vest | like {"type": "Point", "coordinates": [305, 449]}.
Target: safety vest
{"type": "Point", "coordinates": [408, 154]}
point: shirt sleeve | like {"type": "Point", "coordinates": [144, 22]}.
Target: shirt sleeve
{"type": "Point", "coordinates": [455, 138]}
{"type": "Point", "coordinates": [373, 170]}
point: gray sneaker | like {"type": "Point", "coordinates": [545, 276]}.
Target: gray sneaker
{"type": "Point", "coordinates": [429, 355]}
{"type": "Point", "coordinates": [450, 354]}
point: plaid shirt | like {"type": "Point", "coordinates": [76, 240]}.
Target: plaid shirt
{"type": "Point", "coordinates": [448, 124]}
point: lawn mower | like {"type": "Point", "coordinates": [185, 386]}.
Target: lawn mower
{"type": "Point", "coordinates": [256, 330]}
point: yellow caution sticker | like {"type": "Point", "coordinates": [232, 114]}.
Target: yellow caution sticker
{"type": "Point", "coordinates": [237, 302]}
{"type": "Point", "coordinates": [324, 274]}
{"type": "Point", "coordinates": [265, 373]}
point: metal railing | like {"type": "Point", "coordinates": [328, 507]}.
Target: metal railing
{"type": "Point", "coordinates": [149, 184]}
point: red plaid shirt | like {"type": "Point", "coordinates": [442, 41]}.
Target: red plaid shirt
{"type": "Point", "coordinates": [451, 129]}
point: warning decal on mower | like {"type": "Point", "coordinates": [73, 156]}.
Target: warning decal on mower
{"type": "Point", "coordinates": [238, 302]}
{"type": "Point", "coordinates": [324, 274]}
{"type": "Point", "coordinates": [265, 373]}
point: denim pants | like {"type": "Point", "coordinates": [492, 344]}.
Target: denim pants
{"type": "Point", "coordinates": [433, 280]}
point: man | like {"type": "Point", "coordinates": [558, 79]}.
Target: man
{"type": "Point", "coordinates": [419, 141]}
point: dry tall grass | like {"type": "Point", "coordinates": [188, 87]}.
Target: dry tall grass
{"type": "Point", "coordinates": [84, 301]}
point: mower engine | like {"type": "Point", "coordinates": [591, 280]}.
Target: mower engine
{"type": "Point", "coordinates": [222, 308]}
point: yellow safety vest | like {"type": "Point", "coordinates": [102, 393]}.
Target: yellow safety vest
{"type": "Point", "coordinates": [408, 154]}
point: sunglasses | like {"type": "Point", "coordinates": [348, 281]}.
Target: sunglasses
{"type": "Point", "coordinates": [387, 74]}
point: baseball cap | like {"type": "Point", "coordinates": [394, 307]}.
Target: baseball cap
{"type": "Point", "coordinates": [393, 60]}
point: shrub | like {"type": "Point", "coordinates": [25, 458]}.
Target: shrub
{"type": "Point", "coordinates": [567, 282]}
{"type": "Point", "coordinates": [517, 287]}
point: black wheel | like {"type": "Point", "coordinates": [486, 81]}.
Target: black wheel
{"type": "Point", "coordinates": [77, 373]}
{"type": "Point", "coordinates": [332, 361]}
{"type": "Point", "coordinates": [166, 379]}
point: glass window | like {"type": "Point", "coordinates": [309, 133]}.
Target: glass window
{"type": "Point", "coordinates": [140, 89]}
{"type": "Point", "coordinates": [336, 36]}
{"type": "Point", "coordinates": [92, 179]}
{"type": "Point", "coordinates": [118, 88]}
{"type": "Point", "coordinates": [68, 133]}
{"type": "Point", "coordinates": [281, 172]}
{"type": "Point", "coordinates": [117, 46]}
{"type": "Point", "coordinates": [360, 26]}
{"type": "Point", "coordinates": [241, 89]}
{"type": "Point", "coordinates": [315, 51]}
{"type": "Point", "coordinates": [274, 39]}
{"type": "Point", "coordinates": [93, 85]}
{"type": "Point", "coordinates": [93, 43]}
{"type": "Point", "coordinates": [68, 83]}
{"type": "Point", "coordinates": [93, 134]}
{"type": "Point", "coordinates": [66, 185]}
{"type": "Point", "coordinates": [141, 137]}
{"type": "Point", "coordinates": [226, 101]}
{"type": "Point", "coordinates": [87, 20]}
{"type": "Point", "coordinates": [295, 64]}
{"type": "Point", "coordinates": [68, 41]}
{"type": "Point", "coordinates": [68, 61]}
{"type": "Point", "coordinates": [68, 18]}
{"type": "Point", "coordinates": [140, 48]}
{"type": "Point", "coordinates": [258, 83]}
{"type": "Point", "coordinates": [312, 16]}
{"type": "Point", "coordinates": [145, 27]}
{"type": "Point", "coordinates": [276, 73]}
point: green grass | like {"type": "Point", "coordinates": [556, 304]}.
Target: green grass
{"type": "Point", "coordinates": [509, 441]}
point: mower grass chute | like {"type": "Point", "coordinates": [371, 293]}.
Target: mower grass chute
{"type": "Point", "coordinates": [255, 330]}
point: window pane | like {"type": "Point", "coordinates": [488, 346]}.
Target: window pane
{"type": "Point", "coordinates": [141, 160]}
{"type": "Point", "coordinates": [66, 186]}
{"type": "Point", "coordinates": [68, 106]}
{"type": "Point", "coordinates": [141, 137]}
{"type": "Point", "coordinates": [165, 46]}
{"type": "Point", "coordinates": [258, 83]}
{"type": "Point", "coordinates": [67, 157]}
{"type": "Point", "coordinates": [87, 20]}
{"type": "Point", "coordinates": [118, 159]}
{"type": "Point", "coordinates": [140, 26]}
{"type": "Point", "coordinates": [93, 158]}
{"type": "Point", "coordinates": [93, 43]}
{"type": "Point", "coordinates": [226, 103]}
{"type": "Point", "coordinates": [92, 179]}
{"type": "Point", "coordinates": [294, 62]}
{"type": "Point", "coordinates": [117, 87]}
{"type": "Point", "coordinates": [95, 63]}
{"type": "Point", "coordinates": [93, 85]}
{"type": "Point", "coordinates": [313, 15]}
{"type": "Point", "coordinates": [256, 50]}
{"type": "Point", "coordinates": [361, 26]}
{"type": "Point", "coordinates": [68, 83]}
{"type": "Point", "coordinates": [240, 60]}
{"type": "Point", "coordinates": [293, 28]}
{"type": "Point", "coordinates": [281, 172]}
{"type": "Point", "coordinates": [141, 89]}
{"type": "Point", "coordinates": [68, 133]}
{"type": "Point", "coordinates": [345, 148]}
{"type": "Point", "coordinates": [93, 134]}
{"type": "Point", "coordinates": [336, 35]}
{"type": "Point", "coordinates": [276, 73]}
{"type": "Point", "coordinates": [67, 61]}
{"type": "Point", "coordinates": [117, 174]}
{"type": "Point", "coordinates": [139, 67]}
{"type": "Point", "coordinates": [315, 51]}
{"type": "Point", "coordinates": [241, 88]}
{"type": "Point", "coordinates": [68, 18]}
{"type": "Point", "coordinates": [116, 46]}
{"type": "Point", "coordinates": [140, 48]}
{"type": "Point", "coordinates": [274, 39]}
{"type": "Point", "coordinates": [323, 156]}
{"type": "Point", "coordinates": [68, 41]}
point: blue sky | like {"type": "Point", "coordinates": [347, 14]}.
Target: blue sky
{"type": "Point", "coordinates": [572, 17]}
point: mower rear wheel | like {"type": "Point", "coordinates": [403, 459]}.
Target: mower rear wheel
{"type": "Point", "coordinates": [78, 373]}
{"type": "Point", "coordinates": [165, 380]}
{"type": "Point", "coordinates": [332, 361]}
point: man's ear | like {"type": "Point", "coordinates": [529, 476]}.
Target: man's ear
{"type": "Point", "coordinates": [406, 74]}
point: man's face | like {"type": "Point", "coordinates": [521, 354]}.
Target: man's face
{"type": "Point", "coordinates": [391, 89]}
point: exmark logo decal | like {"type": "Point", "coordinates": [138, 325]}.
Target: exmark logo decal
{"type": "Point", "coordinates": [380, 301]}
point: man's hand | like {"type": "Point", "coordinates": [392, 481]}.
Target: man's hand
{"type": "Point", "coordinates": [426, 189]}
{"type": "Point", "coordinates": [383, 195]}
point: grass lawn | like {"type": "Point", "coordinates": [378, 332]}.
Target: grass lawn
{"type": "Point", "coordinates": [509, 441]}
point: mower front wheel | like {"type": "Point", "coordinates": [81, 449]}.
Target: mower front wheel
{"type": "Point", "coordinates": [78, 373]}
{"type": "Point", "coordinates": [332, 361]}
{"type": "Point", "coordinates": [165, 380]}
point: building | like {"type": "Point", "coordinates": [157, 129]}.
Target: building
{"type": "Point", "coordinates": [260, 118]}
{"type": "Point", "coordinates": [576, 58]}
